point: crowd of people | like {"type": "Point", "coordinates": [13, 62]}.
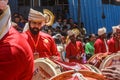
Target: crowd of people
{"type": "Point", "coordinates": [63, 40]}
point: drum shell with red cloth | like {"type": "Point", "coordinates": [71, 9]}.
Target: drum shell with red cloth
{"type": "Point", "coordinates": [65, 66]}
{"type": "Point", "coordinates": [45, 69]}
{"type": "Point", "coordinates": [88, 75]}
{"type": "Point", "coordinates": [96, 59]}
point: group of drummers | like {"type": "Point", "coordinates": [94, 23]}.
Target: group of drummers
{"type": "Point", "coordinates": [34, 54]}
{"type": "Point", "coordinates": [100, 57]}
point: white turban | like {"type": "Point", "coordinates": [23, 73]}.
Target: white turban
{"type": "Point", "coordinates": [114, 28]}
{"type": "Point", "coordinates": [118, 27]}
{"type": "Point", "coordinates": [36, 16]}
{"type": "Point", "coordinates": [101, 31]}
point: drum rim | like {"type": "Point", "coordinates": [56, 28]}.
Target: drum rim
{"type": "Point", "coordinates": [46, 62]}
{"type": "Point", "coordinates": [52, 68]}
{"type": "Point", "coordinates": [81, 71]}
{"type": "Point", "coordinates": [104, 61]}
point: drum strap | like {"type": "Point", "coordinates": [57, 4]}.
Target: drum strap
{"type": "Point", "coordinates": [106, 45]}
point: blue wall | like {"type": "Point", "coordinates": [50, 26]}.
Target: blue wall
{"type": "Point", "coordinates": [91, 14]}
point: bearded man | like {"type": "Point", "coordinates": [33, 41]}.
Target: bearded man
{"type": "Point", "coordinates": [42, 44]}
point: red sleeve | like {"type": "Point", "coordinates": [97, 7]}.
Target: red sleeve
{"type": "Point", "coordinates": [111, 46]}
{"type": "Point", "coordinates": [14, 65]}
{"type": "Point", "coordinates": [68, 51]}
{"type": "Point", "coordinates": [97, 48]}
{"type": "Point", "coordinates": [54, 50]}
{"type": "Point", "coordinates": [81, 47]}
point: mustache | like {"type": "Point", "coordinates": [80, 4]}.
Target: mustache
{"type": "Point", "coordinates": [34, 30]}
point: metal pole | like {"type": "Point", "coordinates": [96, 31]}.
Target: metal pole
{"type": "Point", "coordinates": [39, 2]}
{"type": "Point", "coordinates": [79, 13]}
{"type": "Point", "coordinates": [33, 3]}
{"type": "Point", "coordinates": [30, 3]}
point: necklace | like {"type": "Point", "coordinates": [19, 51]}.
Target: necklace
{"type": "Point", "coordinates": [35, 43]}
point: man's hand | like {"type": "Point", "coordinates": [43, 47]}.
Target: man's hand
{"type": "Point", "coordinates": [54, 57]}
{"type": "Point", "coordinates": [78, 57]}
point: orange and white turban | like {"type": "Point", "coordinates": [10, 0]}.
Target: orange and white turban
{"type": "Point", "coordinates": [36, 16]}
{"type": "Point", "coordinates": [46, 17]}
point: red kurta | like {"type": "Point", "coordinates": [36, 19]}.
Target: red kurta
{"type": "Point", "coordinates": [72, 50]}
{"type": "Point", "coordinates": [99, 46]}
{"type": "Point", "coordinates": [114, 45]}
{"type": "Point", "coordinates": [46, 45]}
{"type": "Point", "coordinates": [16, 59]}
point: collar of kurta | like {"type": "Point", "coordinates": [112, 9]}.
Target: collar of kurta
{"type": "Point", "coordinates": [5, 22]}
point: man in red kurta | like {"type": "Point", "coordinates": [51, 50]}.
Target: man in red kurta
{"type": "Point", "coordinates": [114, 41]}
{"type": "Point", "coordinates": [74, 49]}
{"type": "Point", "coordinates": [16, 59]}
{"type": "Point", "coordinates": [100, 44]}
{"type": "Point", "coordinates": [42, 44]}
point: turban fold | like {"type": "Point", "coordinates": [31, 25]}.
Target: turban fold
{"type": "Point", "coordinates": [36, 16]}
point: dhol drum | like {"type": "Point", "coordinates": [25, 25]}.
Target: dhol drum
{"type": "Point", "coordinates": [65, 66]}
{"type": "Point", "coordinates": [97, 59]}
{"type": "Point", "coordinates": [45, 69]}
{"type": "Point", "coordinates": [78, 75]}
{"type": "Point", "coordinates": [113, 59]}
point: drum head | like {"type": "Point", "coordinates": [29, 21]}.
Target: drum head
{"type": "Point", "coordinates": [110, 60]}
{"type": "Point", "coordinates": [44, 69]}
{"type": "Point", "coordinates": [87, 75]}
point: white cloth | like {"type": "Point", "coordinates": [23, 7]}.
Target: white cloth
{"type": "Point", "coordinates": [5, 22]}
{"type": "Point", "coordinates": [26, 27]}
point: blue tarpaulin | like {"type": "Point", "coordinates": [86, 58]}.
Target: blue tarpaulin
{"type": "Point", "coordinates": [91, 12]}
